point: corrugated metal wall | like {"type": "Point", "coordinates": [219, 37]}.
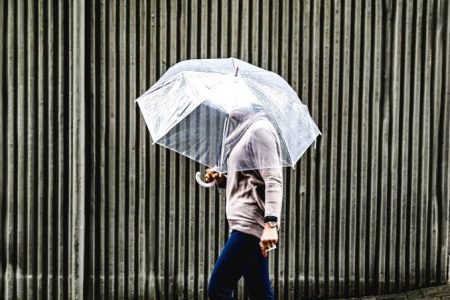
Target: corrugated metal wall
{"type": "Point", "coordinates": [90, 209]}
{"type": "Point", "coordinates": [35, 159]}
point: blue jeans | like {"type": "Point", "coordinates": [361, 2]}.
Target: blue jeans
{"type": "Point", "coordinates": [241, 256]}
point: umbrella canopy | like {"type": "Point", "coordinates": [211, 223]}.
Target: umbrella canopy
{"type": "Point", "coordinates": [201, 108]}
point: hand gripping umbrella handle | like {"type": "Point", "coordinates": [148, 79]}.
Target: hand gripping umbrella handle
{"type": "Point", "coordinates": [198, 178]}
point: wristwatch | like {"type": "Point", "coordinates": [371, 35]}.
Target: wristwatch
{"type": "Point", "coordinates": [271, 221]}
{"type": "Point", "coordinates": [272, 224]}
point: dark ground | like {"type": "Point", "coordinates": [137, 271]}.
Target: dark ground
{"type": "Point", "coordinates": [441, 292]}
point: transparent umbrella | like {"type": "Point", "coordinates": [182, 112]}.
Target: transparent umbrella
{"type": "Point", "coordinates": [201, 108]}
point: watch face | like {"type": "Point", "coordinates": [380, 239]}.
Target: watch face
{"type": "Point", "coordinates": [272, 224]}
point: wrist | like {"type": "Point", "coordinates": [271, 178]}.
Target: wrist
{"type": "Point", "coordinates": [271, 222]}
{"type": "Point", "coordinates": [271, 226]}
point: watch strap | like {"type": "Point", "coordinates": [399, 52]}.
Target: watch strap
{"type": "Point", "coordinates": [270, 219]}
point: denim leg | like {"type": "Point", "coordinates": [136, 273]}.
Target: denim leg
{"type": "Point", "coordinates": [230, 265]}
{"type": "Point", "coordinates": [256, 276]}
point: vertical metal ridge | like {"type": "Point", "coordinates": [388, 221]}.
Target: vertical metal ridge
{"type": "Point", "coordinates": [352, 224]}
{"type": "Point", "coordinates": [411, 194]}
{"type": "Point", "coordinates": [432, 231]}
{"type": "Point", "coordinates": [11, 259]}
{"type": "Point", "coordinates": [42, 173]}
{"type": "Point", "coordinates": [4, 139]}
{"type": "Point", "coordinates": [400, 275]}
{"type": "Point", "coordinates": [444, 170]}
{"type": "Point", "coordinates": [92, 155]}
{"type": "Point", "coordinates": [421, 207]}
{"type": "Point", "coordinates": [63, 136]}
{"type": "Point", "coordinates": [327, 142]}
{"type": "Point", "coordinates": [53, 124]}
{"type": "Point", "coordinates": [359, 243]}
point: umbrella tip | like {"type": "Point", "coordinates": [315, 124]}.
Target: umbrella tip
{"type": "Point", "coordinates": [237, 70]}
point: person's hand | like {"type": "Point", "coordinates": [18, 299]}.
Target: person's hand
{"type": "Point", "coordinates": [211, 175]}
{"type": "Point", "coordinates": [269, 239]}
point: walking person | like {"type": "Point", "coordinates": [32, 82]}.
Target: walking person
{"type": "Point", "coordinates": [247, 123]}
{"type": "Point", "coordinates": [253, 207]}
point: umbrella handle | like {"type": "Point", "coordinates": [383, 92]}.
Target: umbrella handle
{"type": "Point", "coordinates": [198, 178]}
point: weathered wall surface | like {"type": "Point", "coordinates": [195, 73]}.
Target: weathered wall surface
{"type": "Point", "coordinates": [89, 208]}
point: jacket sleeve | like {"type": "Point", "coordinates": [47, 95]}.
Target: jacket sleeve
{"type": "Point", "coordinates": [265, 149]}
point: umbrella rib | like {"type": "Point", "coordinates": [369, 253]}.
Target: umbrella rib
{"type": "Point", "coordinates": [222, 152]}
{"type": "Point", "coordinates": [179, 114]}
{"type": "Point", "coordinates": [271, 117]}
{"type": "Point", "coordinates": [281, 135]}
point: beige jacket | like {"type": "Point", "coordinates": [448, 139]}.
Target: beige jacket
{"type": "Point", "coordinates": [251, 195]}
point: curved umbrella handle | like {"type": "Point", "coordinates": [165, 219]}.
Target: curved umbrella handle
{"type": "Point", "coordinates": [198, 178]}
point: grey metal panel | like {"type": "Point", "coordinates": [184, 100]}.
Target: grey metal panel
{"type": "Point", "coordinates": [34, 149]}
{"type": "Point", "coordinates": [91, 209]}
